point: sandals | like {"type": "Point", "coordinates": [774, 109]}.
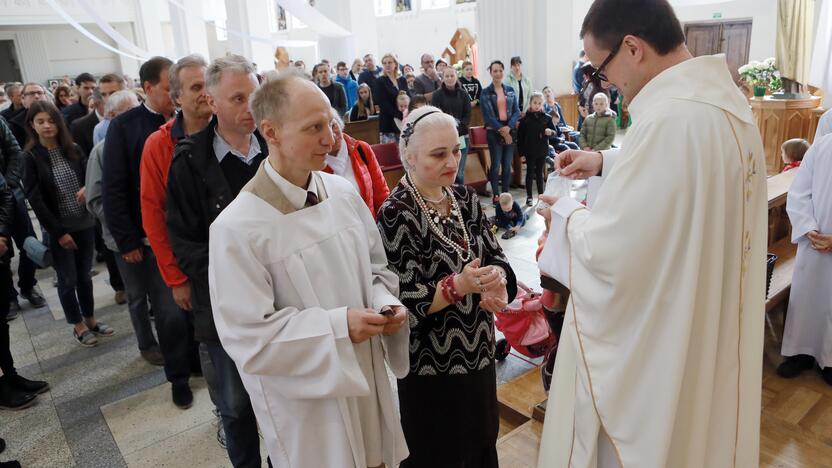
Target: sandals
{"type": "Point", "coordinates": [102, 329]}
{"type": "Point", "coordinates": [85, 339]}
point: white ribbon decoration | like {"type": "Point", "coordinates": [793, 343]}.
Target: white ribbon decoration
{"type": "Point", "coordinates": [63, 14]}
{"type": "Point", "coordinates": [112, 33]}
{"type": "Point", "coordinates": [313, 18]}
{"type": "Point", "coordinates": [262, 40]}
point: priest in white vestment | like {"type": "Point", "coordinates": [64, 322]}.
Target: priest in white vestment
{"type": "Point", "coordinates": [303, 300]}
{"type": "Point", "coordinates": [807, 338]}
{"type": "Point", "coordinates": [660, 359]}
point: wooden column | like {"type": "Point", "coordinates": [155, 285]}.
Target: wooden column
{"type": "Point", "coordinates": [780, 120]}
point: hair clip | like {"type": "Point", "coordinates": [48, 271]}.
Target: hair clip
{"type": "Point", "coordinates": [411, 126]}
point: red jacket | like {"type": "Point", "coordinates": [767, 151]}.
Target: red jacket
{"type": "Point", "coordinates": [155, 164]}
{"type": "Point", "coordinates": [371, 183]}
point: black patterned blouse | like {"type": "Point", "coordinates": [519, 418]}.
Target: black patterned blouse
{"type": "Point", "coordinates": [460, 338]}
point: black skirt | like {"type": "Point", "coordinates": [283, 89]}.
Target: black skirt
{"type": "Point", "coordinates": [450, 421]}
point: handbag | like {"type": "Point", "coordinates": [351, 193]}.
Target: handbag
{"type": "Point", "coordinates": [37, 252]}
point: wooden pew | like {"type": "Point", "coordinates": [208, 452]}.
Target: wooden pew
{"type": "Point", "coordinates": [364, 130]}
{"type": "Point", "coordinates": [391, 165]}
{"type": "Point", "coordinates": [569, 106]}
{"type": "Point", "coordinates": [779, 241]}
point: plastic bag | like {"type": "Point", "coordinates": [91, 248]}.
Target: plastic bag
{"type": "Point", "coordinates": [556, 186]}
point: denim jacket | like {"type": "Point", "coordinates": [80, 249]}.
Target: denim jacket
{"type": "Point", "coordinates": [488, 102]}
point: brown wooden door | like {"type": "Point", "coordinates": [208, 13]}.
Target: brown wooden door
{"type": "Point", "coordinates": [736, 41]}
{"type": "Point", "coordinates": [732, 38]}
{"type": "Point", "coordinates": [703, 39]}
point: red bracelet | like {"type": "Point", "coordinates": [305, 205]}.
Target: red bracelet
{"type": "Point", "coordinates": [446, 289]}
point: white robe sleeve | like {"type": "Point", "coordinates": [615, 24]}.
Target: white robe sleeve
{"type": "Point", "coordinates": [385, 293]}
{"type": "Point", "coordinates": [307, 352]}
{"type": "Point", "coordinates": [554, 260]}
{"type": "Point", "coordinates": [799, 204]}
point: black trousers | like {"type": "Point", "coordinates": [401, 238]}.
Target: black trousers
{"type": "Point", "coordinates": [21, 229]}
{"type": "Point", "coordinates": [6, 360]}
{"type": "Point", "coordinates": [535, 164]}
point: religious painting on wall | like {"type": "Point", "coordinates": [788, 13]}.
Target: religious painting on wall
{"type": "Point", "coordinates": [282, 24]}
{"type": "Point", "coordinates": [403, 6]}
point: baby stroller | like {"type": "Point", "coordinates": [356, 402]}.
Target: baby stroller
{"type": "Point", "coordinates": [531, 329]}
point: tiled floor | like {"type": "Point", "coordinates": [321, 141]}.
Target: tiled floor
{"type": "Point", "coordinates": [109, 408]}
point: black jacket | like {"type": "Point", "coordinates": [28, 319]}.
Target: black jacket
{"type": "Point", "coordinates": [473, 87]}
{"type": "Point", "coordinates": [456, 103]}
{"type": "Point", "coordinates": [10, 112]}
{"type": "Point", "coordinates": [531, 136]}
{"type": "Point", "coordinates": [385, 96]}
{"type": "Point", "coordinates": [11, 158]}
{"type": "Point", "coordinates": [73, 112]}
{"type": "Point", "coordinates": [82, 130]}
{"type": "Point", "coordinates": [6, 212]}
{"type": "Point", "coordinates": [17, 124]}
{"type": "Point", "coordinates": [197, 192]}
{"type": "Point", "coordinates": [337, 97]}
{"type": "Point", "coordinates": [41, 191]}
{"type": "Point", "coordinates": [120, 184]}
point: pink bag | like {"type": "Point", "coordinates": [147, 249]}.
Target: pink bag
{"type": "Point", "coordinates": [523, 321]}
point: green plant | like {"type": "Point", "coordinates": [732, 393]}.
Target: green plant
{"type": "Point", "coordinates": [764, 74]}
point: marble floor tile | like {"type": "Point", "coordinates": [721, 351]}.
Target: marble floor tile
{"type": "Point", "coordinates": [148, 418]}
{"type": "Point", "coordinates": [34, 436]}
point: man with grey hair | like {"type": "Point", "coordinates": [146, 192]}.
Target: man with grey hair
{"type": "Point", "coordinates": [15, 93]}
{"type": "Point", "coordinates": [428, 81]}
{"type": "Point", "coordinates": [302, 297]}
{"type": "Point", "coordinates": [208, 170]}
{"type": "Point", "coordinates": [117, 104]}
{"type": "Point", "coordinates": [187, 91]}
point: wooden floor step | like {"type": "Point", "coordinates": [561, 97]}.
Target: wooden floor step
{"type": "Point", "coordinates": [518, 448]}
{"type": "Point", "coordinates": [522, 394]}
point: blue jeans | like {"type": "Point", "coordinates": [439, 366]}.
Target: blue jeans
{"type": "Point", "coordinates": [73, 270]}
{"type": "Point", "coordinates": [143, 282]}
{"type": "Point", "coordinates": [460, 174]}
{"type": "Point", "coordinates": [241, 437]}
{"type": "Point", "coordinates": [501, 156]}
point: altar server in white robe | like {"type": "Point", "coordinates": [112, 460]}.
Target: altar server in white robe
{"type": "Point", "coordinates": [824, 124]}
{"type": "Point", "coordinates": [303, 300]}
{"type": "Point", "coordinates": [808, 335]}
{"type": "Point", "coordinates": [659, 363]}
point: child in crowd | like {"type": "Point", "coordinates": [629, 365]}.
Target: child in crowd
{"type": "Point", "coordinates": [403, 103]}
{"type": "Point", "coordinates": [417, 101]}
{"type": "Point", "coordinates": [598, 130]}
{"type": "Point", "coordinates": [533, 142]}
{"type": "Point", "coordinates": [792, 151]}
{"type": "Point", "coordinates": [509, 216]}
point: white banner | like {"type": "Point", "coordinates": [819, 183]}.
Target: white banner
{"type": "Point", "coordinates": [122, 41]}
{"type": "Point", "coordinates": [63, 14]}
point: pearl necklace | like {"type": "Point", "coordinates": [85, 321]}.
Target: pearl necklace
{"type": "Point", "coordinates": [434, 219]}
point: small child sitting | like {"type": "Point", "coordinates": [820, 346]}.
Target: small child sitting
{"type": "Point", "coordinates": [403, 104]}
{"type": "Point", "coordinates": [598, 130]}
{"type": "Point", "coordinates": [509, 216]}
{"type": "Point", "coordinates": [792, 151]}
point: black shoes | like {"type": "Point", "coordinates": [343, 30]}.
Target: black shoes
{"type": "Point", "coordinates": [182, 396]}
{"type": "Point", "coordinates": [795, 365]}
{"type": "Point", "coordinates": [529, 201]}
{"type": "Point", "coordinates": [13, 399]}
{"type": "Point", "coordinates": [34, 298]}
{"type": "Point", "coordinates": [24, 385]}
{"type": "Point", "coordinates": [826, 372]}
{"type": "Point", "coordinates": [153, 356]}
{"type": "Point", "coordinates": [508, 234]}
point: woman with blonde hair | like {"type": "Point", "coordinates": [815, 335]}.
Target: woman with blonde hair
{"type": "Point", "coordinates": [363, 108]}
{"type": "Point", "coordinates": [386, 94]}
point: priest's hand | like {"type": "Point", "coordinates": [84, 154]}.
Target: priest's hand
{"type": "Point", "coordinates": [820, 242]}
{"type": "Point", "coordinates": [364, 324]}
{"type": "Point", "coordinates": [395, 321]}
{"type": "Point", "coordinates": [576, 164]}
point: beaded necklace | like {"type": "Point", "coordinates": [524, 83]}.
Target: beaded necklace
{"type": "Point", "coordinates": [436, 220]}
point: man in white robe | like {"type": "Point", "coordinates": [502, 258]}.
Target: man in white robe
{"type": "Point", "coordinates": [303, 300]}
{"type": "Point", "coordinates": [808, 335]}
{"type": "Point", "coordinates": [659, 363]}
{"type": "Point", "coordinates": [824, 124]}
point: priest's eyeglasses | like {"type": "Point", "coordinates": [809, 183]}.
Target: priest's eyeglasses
{"type": "Point", "coordinates": [599, 72]}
